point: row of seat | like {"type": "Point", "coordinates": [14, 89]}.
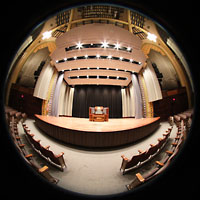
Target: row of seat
{"type": "Point", "coordinates": [160, 165]}
{"type": "Point", "coordinates": [143, 157]}
{"type": "Point", "coordinates": [186, 116]}
{"type": "Point", "coordinates": [45, 152]}
{"type": "Point", "coordinates": [18, 116]}
{"type": "Point", "coordinates": [29, 158]}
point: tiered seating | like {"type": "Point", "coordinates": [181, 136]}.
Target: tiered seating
{"type": "Point", "coordinates": [186, 116]}
{"type": "Point", "coordinates": [161, 164]}
{"type": "Point", "coordinates": [43, 171]}
{"type": "Point", "coordinates": [138, 160]}
{"type": "Point", "coordinates": [12, 113]}
{"type": "Point", "coordinates": [45, 152]}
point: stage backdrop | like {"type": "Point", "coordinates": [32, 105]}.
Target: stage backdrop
{"type": "Point", "coordinates": [86, 96]}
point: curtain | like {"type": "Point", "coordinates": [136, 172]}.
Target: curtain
{"type": "Point", "coordinates": [152, 84]}
{"type": "Point", "coordinates": [128, 103]}
{"type": "Point", "coordinates": [55, 102]}
{"type": "Point", "coordinates": [86, 96]}
{"type": "Point", "coordinates": [42, 85]}
{"type": "Point", "coordinates": [65, 100]}
{"type": "Point", "coordinates": [137, 97]}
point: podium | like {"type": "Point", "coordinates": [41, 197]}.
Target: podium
{"type": "Point", "coordinates": [98, 114]}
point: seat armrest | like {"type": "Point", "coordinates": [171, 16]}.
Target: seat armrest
{"type": "Point", "coordinates": [124, 157]}
{"type": "Point", "coordinates": [159, 163]}
{"type": "Point", "coordinates": [43, 169]}
{"type": "Point", "coordinates": [140, 177]}
{"type": "Point", "coordinates": [59, 155]}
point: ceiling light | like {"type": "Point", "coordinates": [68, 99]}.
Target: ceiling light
{"type": "Point", "coordinates": [121, 58]}
{"type": "Point", "coordinates": [98, 56]}
{"type": "Point", "coordinates": [117, 46]}
{"type": "Point", "coordinates": [117, 77]}
{"type": "Point", "coordinates": [86, 56]}
{"type": "Point", "coordinates": [79, 45]}
{"type": "Point", "coordinates": [131, 60]}
{"type": "Point", "coordinates": [65, 59]}
{"type": "Point", "coordinates": [75, 57]}
{"type": "Point", "coordinates": [104, 44]}
{"type": "Point", "coordinates": [107, 76]}
{"type": "Point", "coordinates": [151, 37]}
{"type": "Point", "coordinates": [109, 56]}
{"type": "Point", "coordinates": [46, 35]}
{"type": "Point", "coordinates": [56, 61]}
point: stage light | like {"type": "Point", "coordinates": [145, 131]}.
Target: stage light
{"type": "Point", "coordinates": [46, 35]}
{"type": "Point", "coordinates": [79, 45]}
{"type": "Point", "coordinates": [117, 46]}
{"type": "Point", "coordinates": [151, 37]}
{"type": "Point", "coordinates": [104, 44]}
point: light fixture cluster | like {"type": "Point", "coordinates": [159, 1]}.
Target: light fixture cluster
{"type": "Point", "coordinates": [98, 57]}
{"type": "Point", "coordinates": [98, 68]}
{"type": "Point", "coordinates": [98, 77]}
{"type": "Point", "coordinates": [103, 44]}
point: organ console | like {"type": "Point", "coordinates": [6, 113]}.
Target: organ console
{"type": "Point", "coordinates": [98, 114]}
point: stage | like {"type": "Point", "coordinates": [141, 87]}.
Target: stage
{"type": "Point", "coordinates": [82, 132]}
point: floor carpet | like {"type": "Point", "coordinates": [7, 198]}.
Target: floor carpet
{"type": "Point", "coordinates": [93, 171]}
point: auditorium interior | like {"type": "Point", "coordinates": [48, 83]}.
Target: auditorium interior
{"type": "Point", "coordinates": [99, 100]}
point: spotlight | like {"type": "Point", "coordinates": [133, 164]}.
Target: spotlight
{"type": "Point", "coordinates": [128, 48]}
{"type": "Point", "coordinates": [151, 37]}
{"type": "Point", "coordinates": [46, 35]}
{"type": "Point", "coordinates": [79, 45]}
{"type": "Point", "coordinates": [117, 46]}
{"type": "Point", "coordinates": [104, 44]}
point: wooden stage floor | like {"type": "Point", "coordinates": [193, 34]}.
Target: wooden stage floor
{"type": "Point", "coordinates": [83, 124]}
{"type": "Point", "coordinates": [83, 132]}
